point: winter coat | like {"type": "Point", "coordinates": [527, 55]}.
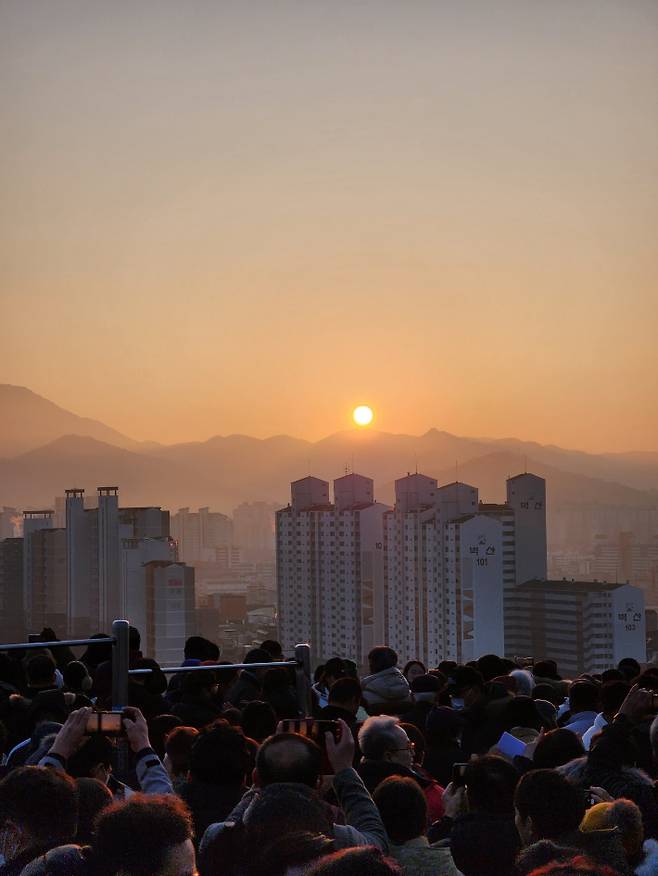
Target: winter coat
{"type": "Point", "coordinates": [385, 687]}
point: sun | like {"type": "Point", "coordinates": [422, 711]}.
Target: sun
{"type": "Point", "coordinates": [362, 415]}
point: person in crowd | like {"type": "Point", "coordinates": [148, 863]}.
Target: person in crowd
{"type": "Point", "coordinates": [388, 751]}
{"type": "Point", "coordinates": [178, 750]}
{"type": "Point", "coordinates": [197, 706]}
{"type": "Point", "coordinates": [259, 720]}
{"type": "Point", "coordinates": [343, 702]}
{"type": "Point", "coordinates": [403, 808]}
{"type": "Point", "coordinates": [219, 760]}
{"type": "Point", "coordinates": [295, 760]}
{"type": "Point", "coordinates": [424, 691]}
{"type": "Point", "coordinates": [386, 687]}
{"type": "Point", "coordinates": [480, 713]}
{"type": "Point", "coordinates": [625, 817]}
{"type": "Point", "coordinates": [159, 728]}
{"type": "Point", "coordinates": [39, 808]}
{"type": "Point", "coordinates": [94, 797]}
{"type": "Point", "coordinates": [279, 692]}
{"type": "Point", "coordinates": [584, 701]}
{"type": "Point", "coordinates": [613, 694]}
{"type": "Point", "coordinates": [332, 670]}
{"type": "Point", "coordinates": [98, 653]}
{"type": "Point", "coordinates": [40, 671]}
{"type": "Point", "coordinates": [443, 729]}
{"type": "Point", "coordinates": [630, 668]}
{"type": "Point", "coordinates": [479, 823]}
{"type": "Point", "coordinates": [524, 682]}
{"type": "Point", "coordinates": [77, 679]}
{"type": "Point", "coordinates": [355, 862]}
{"type": "Point", "coordinates": [145, 836]}
{"type": "Point", "coordinates": [491, 666]}
{"type": "Point", "coordinates": [549, 806]}
{"type": "Point", "coordinates": [146, 692]}
{"type": "Point", "coordinates": [249, 683]}
{"type": "Point", "coordinates": [412, 669]}
{"type": "Point", "coordinates": [557, 748]}
{"type": "Point", "coordinates": [274, 649]}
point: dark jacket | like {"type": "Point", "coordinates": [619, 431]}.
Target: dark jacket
{"type": "Point", "coordinates": [246, 689]}
{"type": "Point", "coordinates": [439, 761]}
{"type": "Point", "coordinates": [209, 802]}
{"type": "Point", "coordinates": [485, 844]}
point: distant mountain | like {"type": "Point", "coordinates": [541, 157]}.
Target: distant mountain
{"type": "Point", "coordinates": [29, 421]}
{"type": "Point", "coordinates": [224, 471]}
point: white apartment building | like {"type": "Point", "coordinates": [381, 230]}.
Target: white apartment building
{"type": "Point", "coordinates": [170, 610]}
{"type": "Point", "coordinates": [32, 522]}
{"type": "Point", "coordinates": [135, 554]}
{"type": "Point", "coordinates": [586, 626]}
{"type": "Point", "coordinates": [330, 568]}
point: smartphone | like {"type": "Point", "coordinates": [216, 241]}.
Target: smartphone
{"type": "Point", "coordinates": [105, 723]}
{"type": "Point", "coordinates": [315, 730]}
{"type": "Point", "coordinates": [458, 773]}
{"type": "Point", "coordinates": [589, 798]}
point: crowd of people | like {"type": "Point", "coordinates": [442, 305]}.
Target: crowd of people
{"type": "Point", "coordinates": [493, 768]}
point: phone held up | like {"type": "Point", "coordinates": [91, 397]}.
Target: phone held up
{"type": "Point", "coordinates": [105, 723]}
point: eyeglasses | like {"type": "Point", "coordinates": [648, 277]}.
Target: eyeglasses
{"type": "Point", "coordinates": [411, 747]}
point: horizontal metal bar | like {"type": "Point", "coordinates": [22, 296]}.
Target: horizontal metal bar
{"type": "Point", "coordinates": [22, 646]}
{"type": "Point", "coordinates": [289, 664]}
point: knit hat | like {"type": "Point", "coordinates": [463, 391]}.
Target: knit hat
{"type": "Point", "coordinates": [621, 815]}
{"type": "Point", "coordinates": [597, 818]}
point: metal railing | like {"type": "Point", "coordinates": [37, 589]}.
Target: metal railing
{"type": "Point", "coordinates": [121, 672]}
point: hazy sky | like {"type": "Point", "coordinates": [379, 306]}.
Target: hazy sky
{"type": "Point", "coordinates": [248, 217]}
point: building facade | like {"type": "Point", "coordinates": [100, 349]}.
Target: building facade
{"type": "Point", "coordinates": [170, 610]}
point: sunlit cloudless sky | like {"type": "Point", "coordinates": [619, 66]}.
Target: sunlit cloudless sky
{"type": "Point", "coordinates": [249, 217]}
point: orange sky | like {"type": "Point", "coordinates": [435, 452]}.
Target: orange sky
{"type": "Point", "coordinates": [249, 217]}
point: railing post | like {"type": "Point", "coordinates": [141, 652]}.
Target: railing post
{"type": "Point", "coordinates": [120, 661]}
{"type": "Point", "coordinates": [303, 679]}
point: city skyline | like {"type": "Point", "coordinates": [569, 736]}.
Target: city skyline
{"type": "Point", "coordinates": [448, 215]}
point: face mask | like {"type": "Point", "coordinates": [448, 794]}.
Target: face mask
{"type": "Point", "coordinates": [457, 703]}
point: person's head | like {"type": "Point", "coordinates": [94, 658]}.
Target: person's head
{"type": "Point", "coordinates": [273, 648]}
{"type": "Point", "coordinates": [145, 836]}
{"type": "Point", "coordinates": [613, 694]}
{"type": "Point", "coordinates": [38, 806]}
{"type": "Point", "coordinates": [178, 750]}
{"type": "Point", "coordinates": [159, 728]}
{"type": "Point", "coordinates": [358, 861]}
{"type": "Point", "coordinates": [403, 808]}
{"type": "Point", "coordinates": [547, 806]}
{"type": "Point", "coordinates": [630, 668]}
{"type": "Point", "coordinates": [196, 648]}
{"type": "Point", "coordinates": [346, 694]}
{"type": "Point", "coordinates": [413, 669]}
{"type": "Point", "coordinates": [134, 639]}
{"type": "Point", "coordinates": [574, 865]}
{"type": "Point", "coordinates": [76, 677]}
{"type": "Point", "coordinates": [283, 808]}
{"type": "Point", "coordinates": [382, 738]}
{"type": "Point", "coordinates": [622, 815]}
{"type": "Point", "coordinates": [334, 669]}
{"type": "Point", "coordinates": [490, 785]}
{"type": "Point", "coordinates": [490, 666]}
{"type": "Point", "coordinates": [93, 798]}
{"type": "Point", "coordinates": [257, 655]}
{"type": "Point", "coordinates": [465, 686]}
{"type": "Point", "coordinates": [612, 675]}
{"type": "Point", "coordinates": [556, 748]}
{"type": "Point", "coordinates": [584, 697]}
{"type": "Point", "coordinates": [524, 680]}
{"type": "Point", "coordinates": [219, 755]}
{"type": "Point", "coordinates": [93, 759]}
{"type": "Point", "coordinates": [288, 757]}
{"type": "Point", "coordinates": [549, 692]}
{"type": "Point", "coordinates": [546, 669]}
{"type": "Point", "coordinates": [258, 720]}
{"type": "Point", "coordinates": [381, 657]}
{"type": "Point", "coordinates": [425, 688]}
{"type": "Point", "coordinates": [444, 726]}
{"type": "Point", "coordinates": [199, 684]}
{"type": "Point", "coordinates": [40, 671]}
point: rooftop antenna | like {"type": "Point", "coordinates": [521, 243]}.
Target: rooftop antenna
{"type": "Point", "coordinates": [456, 471]}
{"type": "Point", "coordinates": [416, 460]}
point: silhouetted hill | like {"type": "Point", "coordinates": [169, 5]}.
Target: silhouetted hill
{"type": "Point", "coordinates": [29, 421]}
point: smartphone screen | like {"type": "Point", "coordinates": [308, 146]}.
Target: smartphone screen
{"type": "Point", "coordinates": [458, 773]}
{"type": "Point", "coordinates": [315, 730]}
{"type": "Point", "coordinates": [107, 723]}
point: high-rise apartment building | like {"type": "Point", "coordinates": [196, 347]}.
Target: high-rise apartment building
{"type": "Point", "coordinates": [170, 612]}
{"type": "Point", "coordinates": [586, 626]}
{"type": "Point", "coordinates": [624, 558]}
{"type": "Point", "coordinates": [330, 568]}
{"type": "Point", "coordinates": [48, 590]}
{"type": "Point", "coordinates": [526, 496]}
{"type": "Point", "coordinates": [135, 554]}
{"type": "Point", "coordinates": [253, 530]}
{"type": "Point", "coordinates": [144, 522]}
{"type": "Point", "coordinates": [32, 522]}
{"type": "Point", "coordinates": [8, 521]}
{"type": "Point", "coordinates": [12, 617]}
{"type": "Point", "coordinates": [199, 533]}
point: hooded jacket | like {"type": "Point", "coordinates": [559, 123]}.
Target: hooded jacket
{"type": "Point", "coordinates": [385, 687]}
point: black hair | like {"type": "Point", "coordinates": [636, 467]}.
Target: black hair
{"type": "Point", "coordinates": [403, 808]}
{"type": "Point", "coordinates": [557, 748]}
{"type": "Point", "coordinates": [96, 749]}
{"type": "Point", "coordinates": [345, 689]}
{"type": "Point", "coordinates": [41, 801]}
{"type": "Point", "coordinates": [554, 804]}
{"type": "Point", "coordinates": [382, 657]}
{"type": "Point", "coordinates": [491, 782]}
{"type": "Point", "coordinates": [40, 670]}
{"type": "Point", "coordinates": [258, 720]}
{"type": "Point", "coordinates": [359, 861]}
{"type": "Point", "coordinates": [219, 755]}
{"type": "Point", "coordinates": [584, 697]}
